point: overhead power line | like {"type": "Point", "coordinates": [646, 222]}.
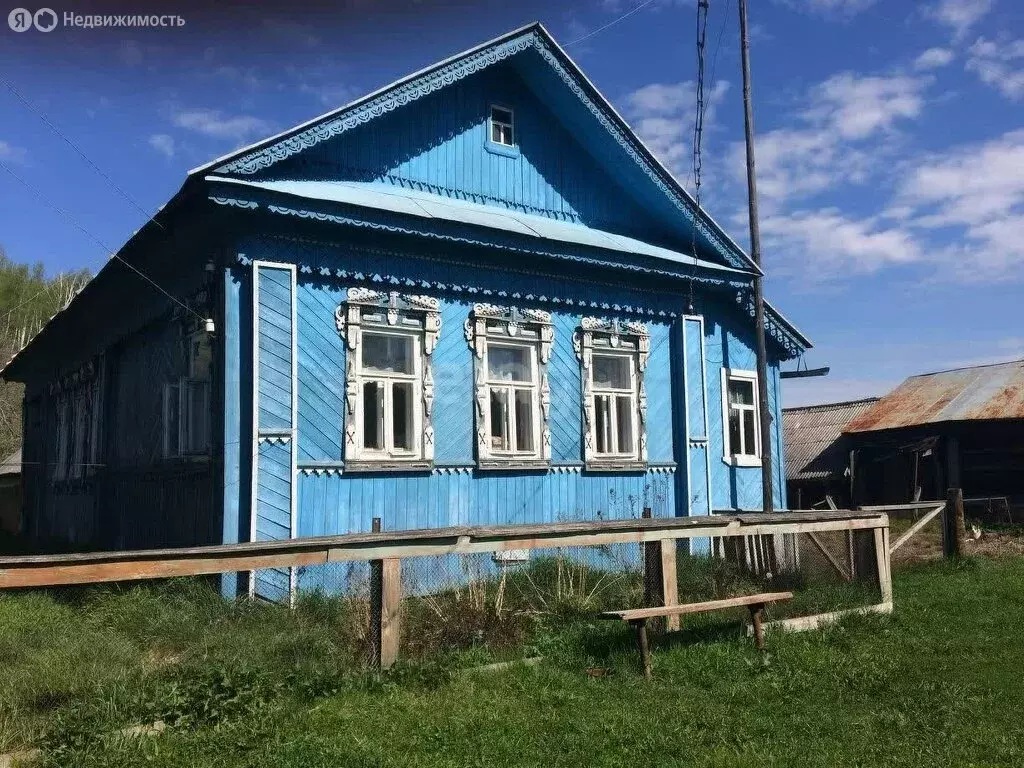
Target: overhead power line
{"type": "Point", "coordinates": [78, 149]}
{"type": "Point", "coordinates": [109, 251]}
{"type": "Point", "coordinates": [611, 23]}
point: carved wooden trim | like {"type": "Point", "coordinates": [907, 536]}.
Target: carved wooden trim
{"type": "Point", "coordinates": [365, 307]}
{"type": "Point", "coordinates": [490, 321]}
{"type": "Point", "coordinates": [625, 336]}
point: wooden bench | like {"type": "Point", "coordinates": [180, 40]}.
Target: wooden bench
{"type": "Point", "coordinates": [637, 617]}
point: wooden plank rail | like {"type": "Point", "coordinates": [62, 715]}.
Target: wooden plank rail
{"type": "Point", "coordinates": [94, 567]}
{"type": "Point", "coordinates": [384, 551]}
{"type": "Point", "coordinates": [909, 533]}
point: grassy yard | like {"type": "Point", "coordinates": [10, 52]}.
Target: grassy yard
{"type": "Point", "coordinates": [938, 684]}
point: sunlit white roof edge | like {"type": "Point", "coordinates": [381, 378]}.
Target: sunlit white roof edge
{"type": "Point", "coordinates": [404, 201]}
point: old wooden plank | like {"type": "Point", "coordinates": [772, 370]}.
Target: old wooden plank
{"type": "Point", "coordinates": [634, 614]}
{"type": "Point", "coordinates": [130, 570]}
{"type": "Point", "coordinates": [390, 611]}
{"type": "Point", "coordinates": [669, 581]}
{"type": "Point", "coordinates": [819, 620]}
{"type": "Point", "coordinates": [882, 561]}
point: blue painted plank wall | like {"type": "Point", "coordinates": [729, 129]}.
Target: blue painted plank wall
{"type": "Point", "coordinates": [439, 144]}
{"type": "Point", "coordinates": [275, 349]}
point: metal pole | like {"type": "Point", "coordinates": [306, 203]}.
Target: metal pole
{"type": "Point", "coordinates": [755, 252]}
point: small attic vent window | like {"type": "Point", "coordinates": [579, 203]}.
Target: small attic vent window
{"type": "Point", "coordinates": [501, 126]}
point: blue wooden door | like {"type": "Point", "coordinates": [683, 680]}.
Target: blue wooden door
{"type": "Point", "coordinates": [274, 417]}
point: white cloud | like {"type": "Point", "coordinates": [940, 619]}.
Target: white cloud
{"type": "Point", "coordinates": [663, 114]}
{"type": "Point", "coordinates": [217, 125]}
{"type": "Point", "coordinates": [978, 189]}
{"type": "Point", "coordinates": [1000, 65]}
{"type": "Point", "coordinates": [858, 106]}
{"type": "Point", "coordinates": [12, 153]}
{"type": "Point", "coordinates": [959, 15]}
{"type": "Point", "coordinates": [933, 58]}
{"type": "Point", "coordinates": [162, 143]}
{"type": "Point", "coordinates": [830, 146]}
{"type": "Point", "coordinates": [838, 244]}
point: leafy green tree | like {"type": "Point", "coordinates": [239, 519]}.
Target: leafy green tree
{"type": "Point", "coordinates": [28, 299]}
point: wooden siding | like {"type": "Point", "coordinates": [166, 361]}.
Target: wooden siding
{"type": "Point", "coordinates": [275, 366]}
{"type": "Point", "coordinates": [440, 144]}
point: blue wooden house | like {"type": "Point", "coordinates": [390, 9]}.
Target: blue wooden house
{"type": "Point", "coordinates": [470, 297]}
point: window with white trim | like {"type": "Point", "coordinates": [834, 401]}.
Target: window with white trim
{"type": "Point", "coordinates": [187, 407]}
{"type": "Point", "coordinates": [613, 357]}
{"type": "Point", "coordinates": [740, 423]}
{"type": "Point", "coordinates": [502, 126]}
{"type": "Point", "coordinates": [389, 415]}
{"type": "Point", "coordinates": [389, 388]}
{"type": "Point", "coordinates": [511, 349]}
{"type": "Point", "coordinates": [613, 389]}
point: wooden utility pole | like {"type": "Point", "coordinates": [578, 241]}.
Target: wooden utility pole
{"type": "Point", "coordinates": [755, 252]}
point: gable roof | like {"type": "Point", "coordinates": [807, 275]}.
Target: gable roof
{"type": "Point", "coordinates": [256, 157]}
{"type": "Point", "coordinates": [977, 393]}
{"type": "Point", "coordinates": [812, 438]}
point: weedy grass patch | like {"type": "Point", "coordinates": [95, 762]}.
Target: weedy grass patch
{"type": "Point", "coordinates": [252, 685]}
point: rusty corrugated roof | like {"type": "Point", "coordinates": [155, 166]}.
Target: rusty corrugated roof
{"type": "Point", "coordinates": [812, 438]}
{"type": "Point", "coordinates": [964, 394]}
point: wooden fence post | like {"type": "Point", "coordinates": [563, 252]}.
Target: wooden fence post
{"type": "Point", "coordinates": [669, 582]}
{"type": "Point", "coordinates": [385, 604]}
{"type": "Point", "coordinates": [954, 531]}
{"type": "Point", "coordinates": [882, 562]}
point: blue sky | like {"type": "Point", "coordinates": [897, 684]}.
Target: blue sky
{"type": "Point", "coordinates": [890, 141]}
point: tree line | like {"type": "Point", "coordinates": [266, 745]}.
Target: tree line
{"type": "Point", "coordinates": [28, 299]}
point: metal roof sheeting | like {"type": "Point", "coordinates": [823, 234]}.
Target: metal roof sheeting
{"type": "Point", "coordinates": [813, 438]}
{"type": "Point", "coordinates": [984, 392]}
{"type": "Point", "coordinates": [425, 205]}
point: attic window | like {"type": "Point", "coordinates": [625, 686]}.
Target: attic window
{"type": "Point", "coordinates": [501, 126]}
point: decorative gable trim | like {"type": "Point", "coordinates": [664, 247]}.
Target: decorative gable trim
{"type": "Point", "coordinates": [388, 101]}
{"type": "Point", "coordinates": [465, 65]}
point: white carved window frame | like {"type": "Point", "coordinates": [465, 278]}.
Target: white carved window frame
{"type": "Point", "coordinates": [736, 455]}
{"type": "Point", "coordinates": [489, 324]}
{"type": "Point", "coordinates": [613, 337]}
{"type": "Point", "coordinates": [389, 313]}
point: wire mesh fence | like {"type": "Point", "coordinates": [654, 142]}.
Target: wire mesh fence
{"type": "Point", "coordinates": [917, 535]}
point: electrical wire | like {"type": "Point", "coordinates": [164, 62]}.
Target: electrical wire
{"type": "Point", "coordinates": [74, 146]}
{"type": "Point", "coordinates": [611, 23]}
{"type": "Point", "coordinates": [698, 130]}
{"type": "Point", "coordinates": [113, 254]}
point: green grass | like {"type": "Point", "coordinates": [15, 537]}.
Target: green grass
{"type": "Point", "coordinates": [937, 684]}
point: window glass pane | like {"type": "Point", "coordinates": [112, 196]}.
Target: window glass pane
{"type": "Point", "coordinates": [401, 416]}
{"type": "Point", "coordinates": [524, 420]}
{"type": "Point", "coordinates": [499, 420]}
{"type": "Point", "coordinates": [741, 392]}
{"type": "Point", "coordinates": [506, 135]}
{"type": "Point", "coordinates": [734, 431]}
{"type": "Point", "coordinates": [496, 133]}
{"type": "Point", "coordinates": [612, 371]}
{"type": "Point", "coordinates": [197, 424]}
{"type": "Point", "coordinates": [500, 115]}
{"type": "Point", "coordinates": [373, 416]}
{"type": "Point", "coordinates": [508, 363]}
{"type": "Point", "coordinates": [172, 426]}
{"type": "Point", "coordinates": [387, 353]}
{"type": "Point", "coordinates": [624, 433]}
{"type": "Point", "coordinates": [750, 445]}
{"type": "Point", "coordinates": [602, 423]}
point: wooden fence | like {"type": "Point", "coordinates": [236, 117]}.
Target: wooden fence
{"type": "Point", "coordinates": [385, 550]}
{"type": "Point", "coordinates": [950, 512]}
